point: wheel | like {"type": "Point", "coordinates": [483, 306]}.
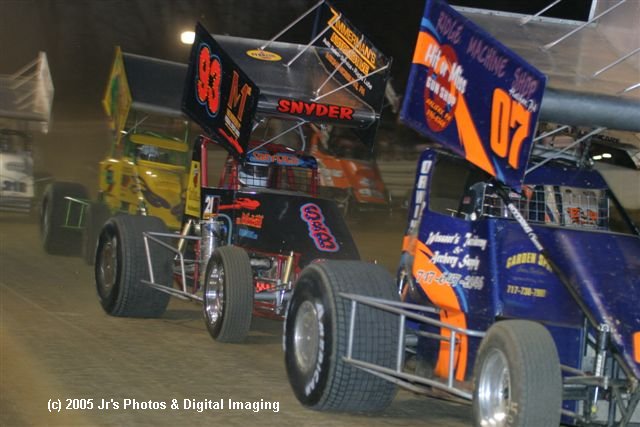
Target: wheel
{"type": "Point", "coordinates": [121, 264]}
{"type": "Point", "coordinates": [316, 337]}
{"type": "Point", "coordinates": [58, 215]}
{"type": "Point", "coordinates": [96, 214]}
{"type": "Point", "coordinates": [228, 294]}
{"type": "Point", "coordinates": [517, 377]}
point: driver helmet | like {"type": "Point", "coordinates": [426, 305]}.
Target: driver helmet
{"type": "Point", "coordinates": [149, 152]}
{"type": "Point", "coordinates": [254, 175]}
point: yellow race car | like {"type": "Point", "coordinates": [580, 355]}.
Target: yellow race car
{"type": "Point", "coordinates": [145, 172]}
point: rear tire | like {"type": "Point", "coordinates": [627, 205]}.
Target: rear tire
{"type": "Point", "coordinates": [316, 337]}
{"type": "Point", "coordinates": [517, 377]}
{"type": "Point", "coordinates": [56, 212]}
{"type": "Point", "coordinates": [121, 264]}
{"type": "Point", "coordinates": [228, 295]}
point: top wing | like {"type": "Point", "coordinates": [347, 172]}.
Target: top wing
{"type": "Point", "coordinates": [472, 94]}
{"type": "Point", "coordinates": [27, 95]}
{"type": "Point", "coordinates": [601, 56]}
{"type": "Point", "coordinates": [339, 77]}
{"type": "Point", "coordinates": [142, 83]}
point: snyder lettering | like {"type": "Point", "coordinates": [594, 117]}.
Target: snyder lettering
{"type": "Point", "coordinates": [302, 108]}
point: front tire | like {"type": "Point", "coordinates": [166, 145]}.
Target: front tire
{"type": "Point", "coordinates": [228, 295]}
{"type": "Point", "coordinates": [517, 377]}
{"type": "Point", "coordinates": [316, 337]}
{"type": "Point", "coordinates": [121, 264]}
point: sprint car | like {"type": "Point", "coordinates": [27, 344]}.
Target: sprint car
{"type": "Point", "coordinates": [16, 171]}
{"type": "Point", "coordinates": [518, 286]}
{"type": "Point", "coordinates": [348, 172]}
{"type": "Point", "coordinates": [145, 171]}
{"type": "Point", "coordinates": [252, 221]}
{"type": "Point", "coordinates": [25, 108]}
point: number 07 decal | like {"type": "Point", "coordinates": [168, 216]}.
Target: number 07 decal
{"type": "Point", "coordinates": [509, 126]}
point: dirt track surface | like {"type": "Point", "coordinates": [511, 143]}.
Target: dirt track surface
{"type": "Point", "coordinates": [56, 343]}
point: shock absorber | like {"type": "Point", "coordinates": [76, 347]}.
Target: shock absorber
{"type": "Point", "coordinates": [288, 267]}
{"type": "Point", "coordinates": [286, 281]}
{"type": "Point", "coordinates": [601, 353]}
{"type": "Point", "coordinates": [210, 233]}
{"type": "Point", "coordinates": [186, 229]}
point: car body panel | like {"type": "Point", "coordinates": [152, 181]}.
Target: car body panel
{"type": "Point", "coordinates": [485, 269]}
{"type": "Point", "coordinates": [276, 222]}
{"type": "Point", "coordinates": [345, 173]}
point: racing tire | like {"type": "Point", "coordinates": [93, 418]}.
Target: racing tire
{"type": "Point", "coordinates": [55, 212]}
{"type": "Point", "coordinates": [517, 378]}
{"type": "Point", "coordinates": [317, 332]}
{"type": "Point", "coordinates": [228, 295]}
{"type": "Point", "coordinates": [96, 215]}
{"type": "Point", "coordinates": [121, 265]}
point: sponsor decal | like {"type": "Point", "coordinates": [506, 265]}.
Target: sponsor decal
{"type": "Point", "coordinates": [250, 220]}
{"type": "Point", "coordinates": [531, 258]}
{"type": "Point", "coordinates": [236, 105]}
{"type": "Point", "coordinates": [352, 44]}
{"type": "Point", "coordinates": [578, 206]}
{"type": "Point", "coordinates": [263, 55]}
{"type": "Point", "coordinates": [318, 230]}
{"type": "Point", "coordinates": [467, 281]}
{"type": "Point", "coordinates": [440, 92]}
{"type": "Point", "coordinates": [579, 216]}
{"type": "Point", "coordinates": [263, 286]}
{"type": "Point", "coordinates": [352, 58]}
{"type": "Point", "coordinates": [192, 206]}
{"type": "Point", "coordinates": [283, 159]}
{"type": "Point", "coordinates": [243, 232]}
{"type": "Point", "coordinates": [314, 109]}
{"type": "Point", "coordinates": [445, 289]}
{"type": "Point", "coordinates": [242, 203]}
{"type": "Point", "coordinates": [151, 197]}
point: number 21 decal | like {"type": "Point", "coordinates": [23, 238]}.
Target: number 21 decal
{"type": "Point", "coordinates": [509, 126]}
{"type": "Point", "coordinates": [211, 206]}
